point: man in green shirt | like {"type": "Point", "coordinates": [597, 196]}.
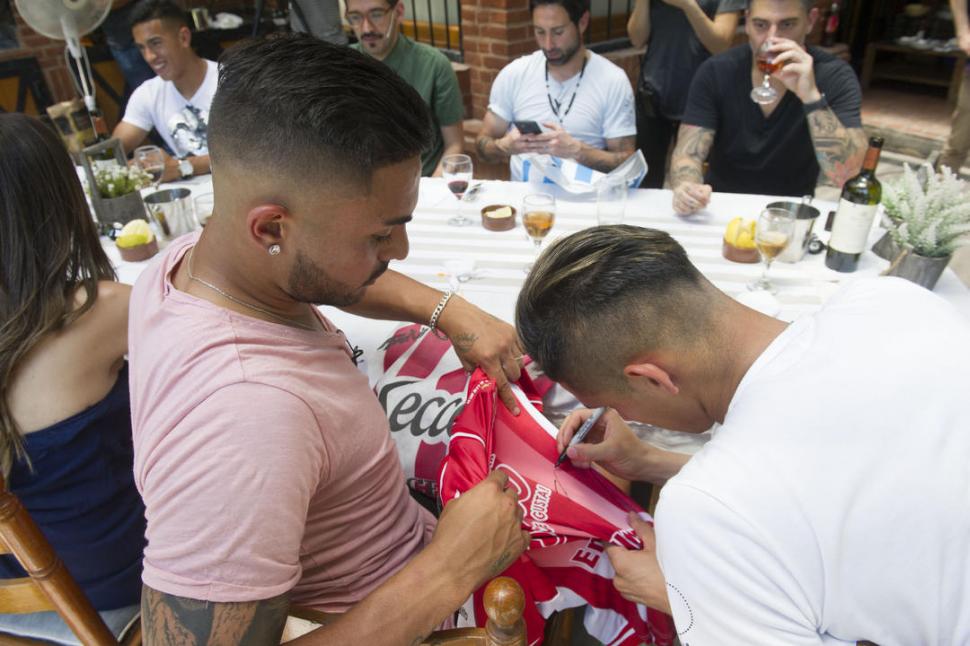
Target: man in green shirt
{"type": "Point", "coordinates": [377, 26]}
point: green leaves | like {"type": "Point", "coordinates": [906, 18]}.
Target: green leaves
{"type": "Point", "coordinates": [928, 211]}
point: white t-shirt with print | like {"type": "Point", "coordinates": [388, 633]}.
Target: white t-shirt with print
{"type": "Point", "coordinates": [182, 123]}
{"type": "Point", "coordinates": [603, 108]}
{"type": "Point", "coordinates": [833, 505]}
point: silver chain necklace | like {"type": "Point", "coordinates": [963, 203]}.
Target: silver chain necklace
{"type": "Point", "coordinates": [255, 308]}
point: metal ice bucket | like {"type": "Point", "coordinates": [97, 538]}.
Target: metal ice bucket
{"type": "Point", "coordinates": [172, 212]}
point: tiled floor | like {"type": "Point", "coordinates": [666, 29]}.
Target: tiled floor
{"type": "Point", "coordinates": [914, 111]}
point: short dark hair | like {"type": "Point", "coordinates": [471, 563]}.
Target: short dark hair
{"type": "Point", "coordinates": [164, 10]}
{"type": "Point", "coordinates": [597, 298]}
{"type": "Point", "coordinates": [575, 8]}
{"type": "Point", "coordinates": [807, 5]}
{"type": "Point", "coordinates": [304, 107]}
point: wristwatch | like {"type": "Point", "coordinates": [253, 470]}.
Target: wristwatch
{"type": "Point", "coordinates": [185, 168]}
{"type": "Point", "coordinates": [821, 104]}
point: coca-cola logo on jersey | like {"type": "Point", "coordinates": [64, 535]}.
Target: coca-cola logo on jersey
{"type": "Point", "coordinates": [422, 388]}
{"type": "Point", "coordinates": [425, 414]}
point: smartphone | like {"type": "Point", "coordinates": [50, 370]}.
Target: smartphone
{"type": "Point", "coordinates": [528, 127]}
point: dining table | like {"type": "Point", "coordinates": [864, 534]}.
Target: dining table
{"type": "Point", "coordinates": [488, 268]}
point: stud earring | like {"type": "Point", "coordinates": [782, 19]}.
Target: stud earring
{"type": "Point", "coordinates": [274, 250]}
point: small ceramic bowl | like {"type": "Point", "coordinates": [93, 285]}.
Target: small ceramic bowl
{"type": "Point", "coordinates": [139, 252]}
{"type": "Point", "coordinates": [492, 223]}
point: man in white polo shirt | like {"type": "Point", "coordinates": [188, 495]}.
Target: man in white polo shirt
{"type": "Point", "coordinates": [582, 102]}
{"type": "Point", "coordinates": [175, 102]}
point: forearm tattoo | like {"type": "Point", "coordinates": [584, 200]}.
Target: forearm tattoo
{"type": "Point", "coordinates": [464, 342]}
{"type": "Point", "coordinates": [687, 163]}
{"type": "Point", "coordinates": [839, 150]}
{"type": "Point", "coordinates": [171, 620]}
{"type": "Point", "coordinates": [606, 160]}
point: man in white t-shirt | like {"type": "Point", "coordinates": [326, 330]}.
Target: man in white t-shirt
{"type": "Point", "coordinates": [833, 503]}
{"type": "Point", "coordinates": [582, 102]}
{"type": "Point", "coordinates": [176, 102]}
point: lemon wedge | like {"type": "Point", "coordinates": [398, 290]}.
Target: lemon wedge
{"type": "Point", "coordinates": [135, 233]}
{"type": "Point", "coordinates": [740, 233]}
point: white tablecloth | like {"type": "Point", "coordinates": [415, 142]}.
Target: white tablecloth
{"type": "Point", "coordinates": [500, 257]}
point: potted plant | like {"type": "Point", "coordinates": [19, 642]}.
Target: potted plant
{"type": "Point", "coordinates": [113, 185]}
{"type": "Point", "coordinates": [118, 187]}
{"type": "Point", "coordinates": [927, 219]}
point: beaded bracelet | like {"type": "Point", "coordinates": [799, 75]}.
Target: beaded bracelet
{"type": "Point", "coordinates": [433, 322]}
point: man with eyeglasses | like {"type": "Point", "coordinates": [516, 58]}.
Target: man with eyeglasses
{"type": "Point", "coordinates": [376, 23]}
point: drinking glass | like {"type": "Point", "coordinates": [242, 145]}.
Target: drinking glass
{"type": "Point", "coordinates": [764, 93]}
{"type": "Point", "coordinates": [152, 161]}
{"type": "Point", "coordinates": [538, 215]}
{"type": "Point", "coordinates": [457, 171]}
{"type": "Point", "coordinates": [611, 195]}
{"type": "Point", "coordinates": [203, 207]}
{"type": "Point", "coordinates": [774, 232]}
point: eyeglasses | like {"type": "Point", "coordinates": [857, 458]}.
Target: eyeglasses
{"type": "Point", "coordinates": [374, 16]}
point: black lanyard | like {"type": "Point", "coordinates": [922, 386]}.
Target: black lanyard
{"type": "Point", "coordinates": [555, 105]}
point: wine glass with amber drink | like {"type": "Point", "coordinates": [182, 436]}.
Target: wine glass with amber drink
{"type": "Point", "coordinates": [538, 216]}
{"type": "Point", "coordinates": [768, 65]}
{"type": "Point", "coordinates": [774, 232]}
{"type": "Point", "coordinates": [457, 171]}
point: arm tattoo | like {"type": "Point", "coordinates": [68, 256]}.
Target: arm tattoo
{"type": "Point", "coordinates": [606, 160]}
{"type": "Point", "coordinates": [502, 563]}
{"type": "Point", "coordinates": [463, 342]}
{"type": "Point", "coordinates": [171, 620]}
{"type": "Point", "coordinates": [839, 149]}
{"type": "Point", "coordinates": [481, 145]}
{"type": "Point", "coordinates": [693, 146]}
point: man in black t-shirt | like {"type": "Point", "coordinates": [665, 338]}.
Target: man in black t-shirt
{"type": "Point", "coordinates": [776, 149]}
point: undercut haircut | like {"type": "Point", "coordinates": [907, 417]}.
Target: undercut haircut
{"type": "Point", "coordinates": [807, 5]}
{"type": "Point", "coordinates": [164, 10]}
{"type": "Point", "coordinates": [299, 106]}
{"type": "Point", "coordinates": [597, 299]}
{"type": "Point", "coordinates": [575, 8]}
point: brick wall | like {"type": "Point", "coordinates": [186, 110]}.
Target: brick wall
{"type": "Point", "coordinates": [495, 32]}
{"type": "Point", "coordinates": [49, 54]}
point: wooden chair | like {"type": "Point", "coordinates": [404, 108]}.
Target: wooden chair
{"type": "Point", "coordinates": [50, 587]}
{"type": "Point", "coordinates": [504, 604]}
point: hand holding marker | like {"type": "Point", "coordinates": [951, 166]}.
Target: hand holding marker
{"type": "Point", "coordinates": [583, 431]}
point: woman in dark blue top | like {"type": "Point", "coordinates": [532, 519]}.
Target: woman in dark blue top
{"type": "Point", "coordinates": [65, 426]}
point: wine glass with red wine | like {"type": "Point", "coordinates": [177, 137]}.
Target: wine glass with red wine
{"type": "Point", "coordinates": [764, 93]}
{"type": "Point", "coordinates": [457, 171]}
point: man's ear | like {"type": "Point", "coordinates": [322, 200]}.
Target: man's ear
{"type": "Point", "coordinates": [812, 19]}
{"type": "Point", "coordinates": [268, 225]}
{"type": "Point", "coordinates": [650, 375]}
{"type": "Point", "coordinates": [185, 36]}
{"type": "Point", "coordinates": [583, 22]}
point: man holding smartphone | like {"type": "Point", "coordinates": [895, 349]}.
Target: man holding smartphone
{"type": "Point", "coordinates": [581, 102]}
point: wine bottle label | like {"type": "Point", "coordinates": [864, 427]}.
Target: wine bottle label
{"type": "Point", "coordinates": [851, 227]}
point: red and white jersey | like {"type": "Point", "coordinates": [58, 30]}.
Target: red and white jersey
{"type": "Point", "coordinates": [571, 514]}
{"type": "Point", "coordinates": [421, 386]}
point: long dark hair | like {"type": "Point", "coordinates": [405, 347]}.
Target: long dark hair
{"type": "Point", "coordinates": [49, 248]}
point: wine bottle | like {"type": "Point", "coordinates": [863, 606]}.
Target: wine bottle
{"type": "Point", "coordinates": [831, 25]}
{"type": "Point", "coordinates": [857, 208]}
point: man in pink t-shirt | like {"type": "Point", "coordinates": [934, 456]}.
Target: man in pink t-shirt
{"type": "Point", "coordinates": [265, 461]}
